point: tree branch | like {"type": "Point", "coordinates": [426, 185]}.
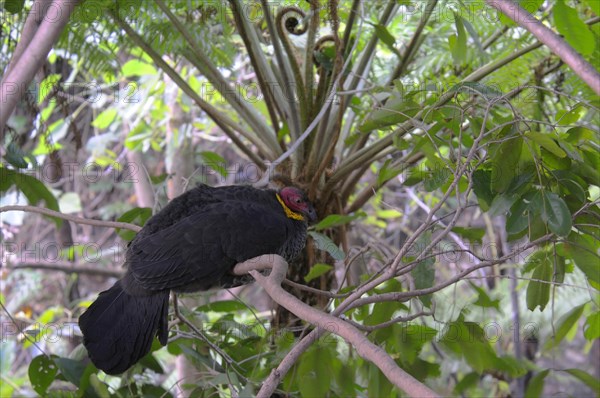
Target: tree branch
{"type": "Point", "coordinates": [15, 83]}
{"type": "Point", "coordinates": [324, 321]}
{"type": "Point", "coordinates": [75, 219]}
{"type": "Point", "coordinates": [32, 23]}
{"type": "Point", "coordinates": [68, 267]}
{"type": "Point", "coordinates": [554, 42]}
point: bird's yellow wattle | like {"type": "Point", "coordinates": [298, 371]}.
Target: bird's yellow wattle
{"type": "Point", "coordinates": [289, 212]}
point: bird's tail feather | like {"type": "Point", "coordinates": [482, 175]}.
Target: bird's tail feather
{"type": "Point", "coordinates": [118, 328]}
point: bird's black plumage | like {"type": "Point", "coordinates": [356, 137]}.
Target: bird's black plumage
{"type": "Point", "coordinates": [190, 245]}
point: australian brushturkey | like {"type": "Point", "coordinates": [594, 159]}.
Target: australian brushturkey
{"type": "Point", "coordinates": [192, 244]}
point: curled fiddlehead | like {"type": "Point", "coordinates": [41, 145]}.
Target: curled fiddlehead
{"type": "Point", "coordinates": [293, 20]}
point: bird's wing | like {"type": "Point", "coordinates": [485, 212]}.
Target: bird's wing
{"type": "Point", "coordinates": [201, 248]}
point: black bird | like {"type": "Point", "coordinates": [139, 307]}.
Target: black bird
{"type": "Point", "coordinates": [190, 245]}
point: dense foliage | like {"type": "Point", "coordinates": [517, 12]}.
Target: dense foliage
{"type": "Point", "coordinates": [452, 158]}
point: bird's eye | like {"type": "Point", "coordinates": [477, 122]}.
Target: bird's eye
{"type": "Point", "coordinates": [298, 200]}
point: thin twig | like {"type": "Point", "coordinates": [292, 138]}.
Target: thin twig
{"type": "Point", "coordinates": [70, 268]}
{"type": "Point", "coordinates": [553, 41]}
{"type": "Point", "coordinates": [202, 336]}
{"type": "Point", "coordinates": [313, 290]}
{"type": "Point", "coordinates": [75, 219]}
{"type": "Point", "coordinates": [362, 345]}
{"type": "Point", "coordinates": [396, 296]}
{"type": "Point", "coordinates": [372, 328]}
{"type": "Point", "coordinates": [25, 335]}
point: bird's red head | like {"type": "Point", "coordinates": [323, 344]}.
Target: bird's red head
{"type": "Point", "coordinates": [297, 202]}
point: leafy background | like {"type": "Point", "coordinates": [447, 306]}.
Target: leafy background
{"type": "Point", "coordinates": [457, 145]}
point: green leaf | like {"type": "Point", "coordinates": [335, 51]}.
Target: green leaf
{"type": "Point", "coordinates": [409, 339]}
{"type": "Point", "coordinates": [71, 370]}
{"type": "Point", "coordinates": [137, 215]}
{"type": "Point", "coordinates": [531, 6]}
{"type": "Point", "coordinates": [47, 86]}
{"type": "Point", "coordinates": [536, 384]}
{"type": "Point", "coordinates": [535, 259]}
{"type": "Point", "coordinates": [575, 31]}
{"type": "Point", "coordinates": [140, 214]}
{"type": "Point", "coordinates": [7, 178]}
{"type": "Point", "coordinates": [323, 242]}
{"type": "Point", "coordinates": [222, 306]}
{"type": "Point", "coordinates": [314, 371]}
{"type": "Point", "coordinates": [42, 372]}
{"type": "Point", "coordinates": [556, 214]}
{"type": "Point", "coordinates": [586, 379]}
{"type": "Point", "coordinates": [517, 220]}
{"type": "Point", "coordinates": [14, 6]}
{"type": "Point", "coordinates": [583, 251]}
{"type": "Point", "coordinates": [334, 220]}
{"type": "Point", "coordinates": [572, 186]}
{"type": "Point", "coordinates": [482, 187]}
{"type": "Point", "coordinates": [386, 172]}
{"type": "Point", "coordinates": [378, 384]}
{"type": "Point", "coordinates": [136, 67]}
{"type": "Point", "coordinates": [458, 42]}
{"type": "Point", "coordinates": [85, 382]}
{"type": "Point", "coordinates": [345, 382]}
{"type": "Point", "coordinates": [386, 37]}
{"type": "Point", "coordinates": [150, 362]}
{"type": "Point", "coordinates": [538, 290]}
{"type": "Point", "coordinates": [591, 329]}
{"type": "Point", "coordinates": [15, 156]}
{"type": "Point", "coordinates": [150, 391]}
{"type": "Point", "coordinates": [512, 366]}
{"type": "Point", "coordinates": [547, 142]}
{"type": "Point", "coordinates": [566, 117]}
{"type": "Point", "coordinates": [484, 300]}
{"type": "Point", "coordinates": [34, 190]}
{"type": "Point", "coordinates": [424, 276]}
{"type": "Point", "coordinates": [215, 162]}
{"type": "Point", "coordinates": [501, 205]}
{"type": "Point", "coordinates": [468, 339]}
{"type": "Point", "coordinates": [473, 234]}
{"type": "Point", "coordinates": [159, 178]}
{"type": "Point", "coordinates": [565, 324]}
{"type": "Point", "coordinates": [325, 57]}
{"type": "Point", "coordinates": [388, 213]}
{"type": "Point", "coordinates": [99, 388]}
{"type": "Point", "coordinates": [435, 178]}
{"type": "Point", "coordinates": [316, 271]}
{"type": "Point", "coordinates": [475, 36]}
{"type": "Point", "coordinates": [576, 134]}
{"type": "Point", "coordinates": [283, 132]}
{"type": "Point", "coordinates": [520, 184]}
{"type": "Point", "coordinates": [421, 369]}
{"type": "Point", "coordinates": [505, 162]}
{"type": "Point", "coordinates": [105, 118]}
{"type": "Point", "coordinates": [466, 383]}
{"type": "Point", "coordinates": [395, 111]}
